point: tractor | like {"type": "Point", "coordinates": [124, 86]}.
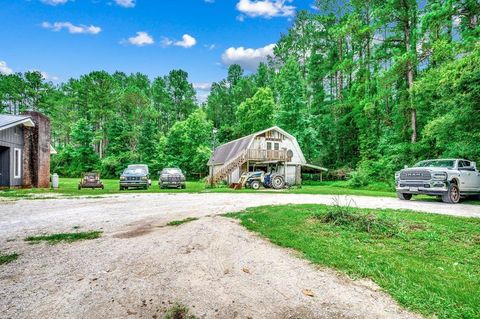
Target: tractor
{"type": "Point", "coordinates": [256, 179]}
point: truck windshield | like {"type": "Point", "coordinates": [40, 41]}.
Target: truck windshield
{"type": "Point", "coordinates": [436, 163]}
{"type": "Point", "coordinates": [171, 171]}
{"type": "Point", "coordinates": [136, 171]}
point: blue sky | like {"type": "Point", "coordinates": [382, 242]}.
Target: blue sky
{"type": "Point", "coordinates": [67, 38]}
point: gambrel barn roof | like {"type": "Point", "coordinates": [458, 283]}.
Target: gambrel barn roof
{"type": "Point", "coordinates": [230, 150]}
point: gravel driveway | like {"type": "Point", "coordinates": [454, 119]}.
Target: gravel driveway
{"type": "Point", "coordinates": [139, 267]}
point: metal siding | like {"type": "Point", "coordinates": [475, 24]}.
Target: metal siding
{"type": "Point", "coordinates": [8, 137]}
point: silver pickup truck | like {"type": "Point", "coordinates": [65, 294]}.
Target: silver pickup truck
{"type": "Point", "coordinates": [449, 179]}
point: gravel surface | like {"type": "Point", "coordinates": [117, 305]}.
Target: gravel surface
{"type": "Point", "coordinates": [140, 267]}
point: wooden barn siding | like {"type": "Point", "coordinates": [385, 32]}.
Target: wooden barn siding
{"type": "Point", "coordinates": [13, 140]}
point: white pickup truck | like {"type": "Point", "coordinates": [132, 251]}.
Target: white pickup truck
{"type": "Point", "coordinates": [448, 178]}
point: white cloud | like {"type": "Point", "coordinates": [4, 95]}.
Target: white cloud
{"type": "Point", "coordinates": [141, 39]}
{"type": "Point", "coordinates": [49, 77]}
{"type": "Point", "coordinates": [202, 96]}
{"type": "Point", "coordinates": [202, 86]}
{"type": "Point", "coordinates": [210, 46]}
{"type": "Point", "coordinates": [125, 3]}
{"type": "Point", "coordinates": [247, 58]}
{"type": "Point", "coordinates": [74, 29]}
{"type": "Point", "coordinates": [4, 69]}
{"type": "Point", "coordinates": [187, 41]}
{"type": "Point", "coordinates": [54, 2]}
{"type": "Point", "coordinates": [266, 8]}
{"type": "Point", "coordinates": [166, 42]}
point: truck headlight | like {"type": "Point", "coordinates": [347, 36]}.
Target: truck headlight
{"type": "Point", "coordinates": [440, 176]}
{"type": "Point", "coordinates": [144, 178]}
{"type": "Point", "coordinates": [122, 178]}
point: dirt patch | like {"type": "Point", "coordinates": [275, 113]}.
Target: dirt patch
{"type": "Point", "coordinates": [213, 266]}
{"type": "Point", "coordinates": [200, 264]}
{"type": "Point", "coordinates": [136, 232]}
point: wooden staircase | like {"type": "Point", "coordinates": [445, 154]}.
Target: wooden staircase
{"type": "Point", "coordinates": [229, 167]}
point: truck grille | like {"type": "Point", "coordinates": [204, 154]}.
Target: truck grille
{"type": "Point", "coordinates": [418, 175]}
{"type": "Point", "coordinates": [133, 178]}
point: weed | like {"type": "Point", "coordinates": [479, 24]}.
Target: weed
{"type": "Point", "coordinates": [179, 311]}
{"type": "Point", "coordinates": [180, 222]}
{"type": "Point", "coordinates": [65, 237]}
{"type": "Point", "coordinates": [347, 217]}
{"type": "Point", "coordinates": [7, 258]}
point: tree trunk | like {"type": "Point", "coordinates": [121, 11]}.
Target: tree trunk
{"type": "Point", "coordinates": [410, 76]}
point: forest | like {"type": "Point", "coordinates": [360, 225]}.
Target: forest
{"type": "Point", "coordinates": [366, 87]}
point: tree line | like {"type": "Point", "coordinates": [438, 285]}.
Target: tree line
{"type": "Point", "coordinates": [366, 87]}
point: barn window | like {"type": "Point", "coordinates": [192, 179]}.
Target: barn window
{"type": "Point", "coordinates": [277, 146]}
{"type": "Point", "coordinates": [269, 146]}
{"type": "Point", "coordinates": [17, 162]}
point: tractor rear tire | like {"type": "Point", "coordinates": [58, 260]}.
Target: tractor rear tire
{"type": "Point", "coordinates": [278, 182]}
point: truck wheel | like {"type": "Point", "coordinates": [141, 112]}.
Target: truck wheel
{"type": "Point", "coordinates": [404, 196]}
{"type": "Point", "coordinates": [278, 182]}
{"type": "Point", "coordinates": [255, 185]}
{"type": "Point", "coordinates": [453, 194]}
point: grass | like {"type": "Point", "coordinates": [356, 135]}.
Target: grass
{"type": "Point", "coordinates": [65, 237]}
{"type": "Point", "coordinates": [180, 222]}
{"type": "Point", "coordinates": [179, 311]}
{"type": "Point", "coordinates": [68, 188]}
{"type": "Point", "coordinates": [7, 258]}
{"type": "Point", "coordinates": [429, 263]}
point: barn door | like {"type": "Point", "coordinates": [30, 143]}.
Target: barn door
{"type": "Point", "coordinates": [4, 166]}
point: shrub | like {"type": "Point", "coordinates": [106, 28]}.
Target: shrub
{"type": "Point", "coordinates": [358, 179]}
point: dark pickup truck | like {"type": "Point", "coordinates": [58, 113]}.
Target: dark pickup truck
{"type": "Point", "coordinates": [135, 176]}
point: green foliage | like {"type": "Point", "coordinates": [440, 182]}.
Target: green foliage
{"type": "Point", "coordinates": [429, 264]}
{"type": "Point", "coordinates": [366, 86]}
{"type": "Point", "coordinates": [186, 144]}
{"type": "Point", "coordinates": [256, 113]}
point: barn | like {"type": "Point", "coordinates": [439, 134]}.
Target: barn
{"type": "Point", "coordinates": [272, 149]}
{"type": "Point", "coordinates": [24, 150]}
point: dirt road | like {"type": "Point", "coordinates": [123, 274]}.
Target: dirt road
{"type": "Point", "coordinates": [139, 267]}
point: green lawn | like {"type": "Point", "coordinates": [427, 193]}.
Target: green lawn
{"type": "Point", "coordinates": [68, 187]}
{"type": "Point", "coordinates": [429, 263]}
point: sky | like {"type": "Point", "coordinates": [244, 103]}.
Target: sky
{"type": "Point", "coordinates": [68, 38]}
